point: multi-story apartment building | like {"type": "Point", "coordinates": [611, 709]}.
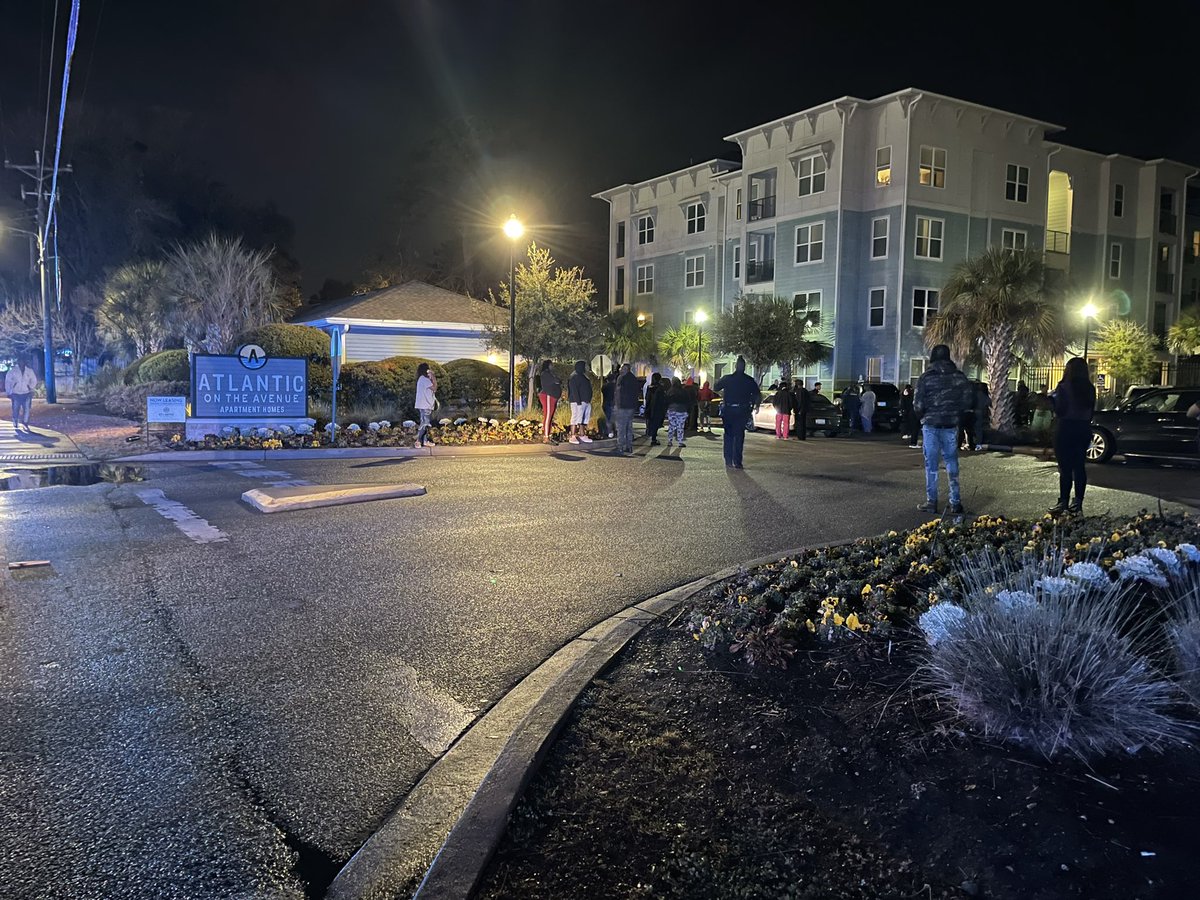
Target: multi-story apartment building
{"type": "Point", "coordinates": [858, 210]}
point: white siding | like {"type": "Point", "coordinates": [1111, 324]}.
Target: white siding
{"type": "Point", "coordinates": [362, 347]}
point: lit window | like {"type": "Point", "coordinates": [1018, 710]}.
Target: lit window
{"type": "Point", "coordinates": [1011, 239]}
{"type": "Point", "coordinates": [1195, 244]}
{"type": "Point", "coordinates": [737, 261]}
{"type": "Point", "coordinates": [645, 279]}
{"type": "Point", "coordinates": [695, 218]}
{"type": "Point", "coordinates": [929, 237]}
{"type": "Point", "coordinates": [916, 368]}
{"type": "Point", "coordinates": [925, 306]}
{"type": "Point", "coordinates": [875, 308]}
{"type": "Point", "coordinates": [737, 205]}
{"type": "Point", "coordinates": [1118, 200]}
{"type": "Point", "coordinates": [1114, 261]}
{"type": "Point", "coordinates": [932, 170]}
{"type": "Point", "coordinates": [1164, 254]}
{"type": "Point", "coordinates": [879, 238]}
{"type": "Point", "coordinates": [693, 272]}
{"type": "Point", "coordinates": [883, 166]}
{"type": "Point", "coordinates": [646, 230]}
{"type": "Point", "coordinates": [1016, 184]}
{"type": "Point", "coordinates": [810, 243]}
{"type": "Point", "coordinates": [807, 305]}
{"type": "Point", "coordinates": [874, 369]}
{"type": "Point", "coordinates": [811, 172]}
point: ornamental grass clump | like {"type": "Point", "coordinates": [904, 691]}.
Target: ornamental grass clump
{"type": "Point", "coordinates": [1049, 660]}
{"type": "Point", "coordinates": [1183, 628]}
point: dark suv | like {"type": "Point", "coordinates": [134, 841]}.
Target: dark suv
{"type": "Point", "coordinates": [887, 406]}
{"type": "Point", "coordinates": [1155, 423]}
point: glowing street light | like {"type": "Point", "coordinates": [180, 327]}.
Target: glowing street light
{"type": "Point", "coordinates": [1088, 312]}
{"type": "Point", "coordinates": [513, 229]}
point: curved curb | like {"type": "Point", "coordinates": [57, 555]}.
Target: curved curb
{"type": "Point", "coordinates": [458, 812]}
{"type": "Point", "coordinates": [202, 456]}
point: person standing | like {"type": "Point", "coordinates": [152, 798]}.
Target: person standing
{"type": "Point", "coordinates": [908, 419]}
{"type": "Point", "coordinates": [679, 401]}
{"type": "Point", "coordinates": [426, 402]}
{"type": "Point", "coordinates": [608, 391]}
{"type": "Point", "coordinates": [549, 394]}
{"type": "Point", "coordinates": [782, 401]}
{"type": "Point", "coordinates": [19, 383]}
{"type": "Point", "coordinates": [801, 403]}
{"type": "Point", "coordinates": [739, 393]}
{"type": "Point", "coordinates": [705, 397]}
{"type": "Point", "coordinates": [1074, 404]}
{"type": "Point", "coordinates": [579, 395]}
{"type": "Point", "coordinates": [656, 407]}
{"type": "Point", "coordinates": [816, 391]}
{"type": "Point", "coordinates": [943, 394]}
{"type": "Point", "coordinates": [866, 409]}
{"type": "Point", "coordinates": [850, 407]}
{"type": "Point", "coordinates": [627, 397]}
{"type": "Point", "coordinates": [693, 392]}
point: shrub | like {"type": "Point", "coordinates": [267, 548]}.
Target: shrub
{"type": "Point", "coordinates": [165, 365]}
{"type": "Point", "coordinates": [95, 387]}
{"type": "Point", "coordinates": [476, 383]}
{"type": "Point", "coordinates": [129, 400]}
{"type": "Point", "coordinates": [391, 381]}
{"type": "Point", "coordinates": [1183, 631]}
{"type": "Point", "coordinates": [279, 339]}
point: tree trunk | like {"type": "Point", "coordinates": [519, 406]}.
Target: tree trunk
{"type": "Point", "coordinates": [998, 360]}
{"type": "Point", "coordinates": [529, 405]}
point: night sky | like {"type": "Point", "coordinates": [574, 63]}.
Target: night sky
{"type": "Point", "coordinates": [322, 107]}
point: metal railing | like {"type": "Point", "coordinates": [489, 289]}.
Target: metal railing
{"type": "Point", "coordinates": [760, 270]}
{"type": "Point", "coordinates": [1058, 241]}
{"type": "Point", "coordinates": [762, 208]}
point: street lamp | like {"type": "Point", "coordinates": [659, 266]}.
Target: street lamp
{"type": "Point", "coordinates": [701, 317]}
{"type": "Point", "coordinates": [513, 229]}
{"type": "Point", "coordinates": [1088, 312]}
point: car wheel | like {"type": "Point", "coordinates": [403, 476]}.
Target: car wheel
{"type": "Point", "coordinates": [1101, 447]}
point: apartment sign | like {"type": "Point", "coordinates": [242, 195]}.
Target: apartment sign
{"type": "Point", "coordinates": [226, 387]}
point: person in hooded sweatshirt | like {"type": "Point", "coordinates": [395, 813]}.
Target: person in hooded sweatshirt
{"type": "Point", "coordinates": [943, 394]}
{"type": "Point", "coordinates": [783, 403]}
{"type": "Point", "coordinates": [579, 395]}
{"type": "Point", "coordinates": [656, 406]}
{"type": "Point", "coordinates": [739, 394]}
{"type": "Point", "coordinates": [627, 394]}
{"type": "Point", "coordinates": [549, 394]}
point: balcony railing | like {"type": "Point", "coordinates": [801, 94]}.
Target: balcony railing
{"type": "Point", "coordinates": [762, 208]}
{"type": "Point", "coordinates": [1166, 221]}
{"type": "Point", "coordinates": [1058, 242]}
{"type": "Point", "coordinates": [1166, 282]}
{"type": "Point", "coordinates": [760, 270]}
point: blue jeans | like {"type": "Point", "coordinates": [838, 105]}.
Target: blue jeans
{"type": "Point", "coordinates": [625, 430]}
{"type": "Point", "coordinates": [20, 408]}
{"type": "Point", "coordinates": [733, 424]}
{"type": "Point", "coordinates": [426, 417]}
{"type": "Point", "coordinates": [943, 441]}
{"type": "Point", "coordinates": [867, 424]}
{"type": "Point", "coordinates": [609, 424]}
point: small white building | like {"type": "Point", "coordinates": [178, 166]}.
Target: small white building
{"type": "Point", "coordinates": [410, 319]}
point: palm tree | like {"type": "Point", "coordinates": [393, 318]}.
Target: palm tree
{"type": "Point", "coordinates": [998, 302]}
{"type": "Point", "coordinates": [137, 307]}
{"type": "Point", "coordinates": [627, 340]}
{"type": "Point", "coordinates": [1183, 337]}
{"type": "Point", "coordinates": [678, 348]}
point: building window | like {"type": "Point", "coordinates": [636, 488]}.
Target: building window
{"type": "Point", "coordinates": [874, 369]}
{"type": "Point", "coordinates": [1160, 321]}
{"type": "Point", "coordinates": [620, 288]}
{"type": "Point", "coordinates": [916, 368]}
{"type": "Point", "coordinates": [1016, 183]}
{"type": "Point", "coordinates": [929, 237]}
{"type": "Point", "coordinates": [646, 230]}
{"type": "Point", "coordinates": [875, 308]}
{"type": "Point", "coordinates": [925, 306]}
{"type": "Point", "coordinates": [737, 205]}
{"type": "Point", "coordinates": [807, 305]}
{"type": "Point", "coordinates": [811, 172]}
{"type": "Point", "coordinates": [810, 243]}
{"type": "Point", "coordinates": [883, 167]}
{"type": "Point", "coordinates": [620, 240]}
{"type": "Point", "coordinates": [879, 238]}
{"type": "Point", "coordinates": [695, 218]}
{"type": "Point", "coordinates": [1114, 261]}
{"type": "Point", "coordinates": [1011, 239]}
{"type": "Point", "coordinates": [737, 261]}
{"type": "Point", "coordinates": [932, 169]}
{"type": "Point", "coordinates": [1118, 200]}
{"type": "Point", "coordinates": [645, 279]}
{"type": "Point", "coordinates": [1194, 247]}
{"type": "Point", "coordinates": [693, 272]}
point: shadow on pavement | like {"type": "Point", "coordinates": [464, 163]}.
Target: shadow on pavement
{"type": "Point", "coordinates": [394, 461]}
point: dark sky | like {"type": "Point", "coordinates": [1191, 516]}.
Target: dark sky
{"type": "Point", "coordinates": [319, 106]}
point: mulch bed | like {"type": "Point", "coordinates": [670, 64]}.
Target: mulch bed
{"type": "Point", "coordinates": [684, 773]}
{"type": "Point", "coordinates": [97, 433]}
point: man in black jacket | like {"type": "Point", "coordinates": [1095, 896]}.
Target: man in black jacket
{"type": "Point", "coordinates": [739, 394]}
{"type": "Point", "coordinates": [628, 399]}
{"type": "Point", "coordinates": [801, 406]}
{"type": "Point", "coordinates": [943, 394]}
{"type": "Point", "coordinates": [656, 407]}
{"type": "Point", "coordinates": [579, 395]}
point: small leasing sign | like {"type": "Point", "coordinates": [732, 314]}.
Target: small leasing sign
{"type": "Point", "coordinates": [249, 385]}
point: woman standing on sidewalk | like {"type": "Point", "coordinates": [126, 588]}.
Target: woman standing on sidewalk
{"type": "Point", "coordinates": [549, 393]}
{"type": "Point", "coordinates": [426, 402]}
{"type": "Point", "coordinates": [1074, 404]}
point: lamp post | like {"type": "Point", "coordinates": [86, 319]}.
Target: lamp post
{"type": "Point", "coordinates": [701, 318]}
{"type": "Point", "coordinates": [1088, 312]}
{"type": "Point", "coordinates": [513, 229]}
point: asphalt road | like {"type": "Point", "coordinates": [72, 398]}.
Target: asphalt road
{"type": "Point", "coordinates": [191, 706]}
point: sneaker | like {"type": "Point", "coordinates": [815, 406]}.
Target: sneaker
{"type": "Point", "coordinates": [429, 444]}
{"type": "Point", "coordinates": [584, 439]}
{"type": "Point", "coordinates": [955, 509]}
{"type": "Point", "coordinates": [914, 446]}
{"type": "Point", "coordinates": [572, 440]}
{"type": "Point", "coordinates": [929, 506]}
{"type": "Point", "coordinates": [682, 445]}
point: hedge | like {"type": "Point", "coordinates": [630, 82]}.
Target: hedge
{"type": "Point", "coordinates": [389, 381]}
{"type": "Point", "coordinates": [280, 339]}
{"type": "Point", "coordinates": [475, 382]}
{"type": "Point", "coordinates": [165, 365]}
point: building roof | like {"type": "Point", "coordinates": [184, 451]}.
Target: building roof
{"type": "Point", "coordinates": [412, 301]}
{"type": "Point", "coordinates": [715, 167]}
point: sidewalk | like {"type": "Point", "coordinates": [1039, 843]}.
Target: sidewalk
{"type": "Point", "coordinates": [197, 456]}
{"type": "Point", "coordinates": [39, 446]}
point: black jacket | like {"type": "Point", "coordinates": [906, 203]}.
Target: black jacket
{"type": "Point", "coordinates": [783, 401]}
{"type": "Point", "coordinates": [629, 392]}
{"type": "Point", "coordinates": [579, 387]}
{"type": "Point", "coordinates": [551, 384]}
{"type": "Point", "coordinates": [943, 394]}
{"type": "Point", "coordinates": [1074, 402]}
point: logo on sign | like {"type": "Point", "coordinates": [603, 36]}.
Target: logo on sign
{"type": "Point", "coordinates": [252, 356]}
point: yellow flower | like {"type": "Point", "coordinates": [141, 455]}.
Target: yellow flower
{"type": "Point", "coordinates": [866, 589]}
{"type": "Point", "coordinates": [838, 619]}
{"type": "Point", "coordinates": [810, 626]}
{"type": "Point", "coordinates": [795, 565]}
{"type": "Point", "coordinates": [852, 622]}
{"type": "Point", "coordinates": [877, 562]}
{"type": "Point", "coordinates": [695, 637]}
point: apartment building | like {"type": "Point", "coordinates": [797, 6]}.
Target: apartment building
{"type": "Point", "coordinates": [858, 210]}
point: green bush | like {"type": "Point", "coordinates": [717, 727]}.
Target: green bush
{"type": "Point", "coordinates": [165, 365]}
{"type": "Point", "coordinates": [94, 388]}
{"type": "Point", "coordinates": [129, 400]}
{"type": "Point", "coordinates": [280, 339]}
{"type": "Point", "coordinates": [389, 381]}
{"type": "Point", "coordinates": [476, 383]}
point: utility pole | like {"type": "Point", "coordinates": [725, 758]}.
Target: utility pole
{"type": "Point", "coordinates": [40, 175]}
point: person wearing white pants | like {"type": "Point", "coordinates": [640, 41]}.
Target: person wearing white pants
{"type": "Point", "coordinates": [579, 395]}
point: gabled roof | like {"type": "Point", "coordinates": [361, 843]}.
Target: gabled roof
{"type": "Point", "coordinates": [413, 301]}
{"type": "Point", "coordinates": [714, 167]}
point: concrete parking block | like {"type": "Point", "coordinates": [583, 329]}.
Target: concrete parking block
{"type": "Point", "coordinates": [282, 499]}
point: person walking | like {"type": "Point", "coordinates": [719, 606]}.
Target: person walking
{"type": "Point", "coordinates": [908, 418]}
{"type": "Point", "coordinates": [739, 394]}
{"type": "Point", "coordinates": [943, 394]}
{"type": "Point", "coordinates": [656, 407]}
{"type": "Point", "coordinates": [782, 401]}
{"type": "Point", "coordinates": [549, 394]}
{"type": "Point", "coordinates": [426, 402]}
{"type": "Point", "coordinates": [866, 409]}
{"type": "Point", "coordinates": [20, 382]}
{"type": "Point", "coordinates": [627, 396]}
{"type": "Point", "coordinates": [705, 397]}
{"type": "Point", "coordinates": [579, 395]}
{"type": "Point", "coordinates": [1074, 405]}
{"type": "Point", "coordinates": [608, 392]}
{"type": "Point", "coordinates": [679, 402]}
{"type": "Point", "coordinates": [801, 404]}
{"type": "Point", "coordinates": [850, 407]}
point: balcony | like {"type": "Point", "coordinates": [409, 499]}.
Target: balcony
{"type": "Point", "coordinates": [762, 208]}
{"type": "Point", "coordinates": [1058, 242]}
{"type": "Point", "coordinates": [1165, 283]}
{"type": "Point", "coordinates": [758, 271]}
{"type": "Point", "coordinates": [1166, 221]}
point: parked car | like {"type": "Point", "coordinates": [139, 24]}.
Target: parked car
{"type": "Point", "coordinates": [1153, 423]}
{"type": "Point", "coordinates": [823, 416]}
{"type": "Point", "coordinates": [887, 406]}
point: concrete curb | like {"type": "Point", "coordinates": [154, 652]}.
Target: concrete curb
{"type": "Point", "coordinates": [194, 456]}
{"type": "Point", "coordinates": [283, 499]}
{"type": "Point", "coordinates": [458, 812]}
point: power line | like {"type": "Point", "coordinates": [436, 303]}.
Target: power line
{"type": "Point", "coordinates": [87, 74]}
{"type": "Point", "coordinates": [49, 84]}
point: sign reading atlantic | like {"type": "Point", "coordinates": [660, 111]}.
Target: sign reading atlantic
{"type": "Point", "coordinates": [227, 387]}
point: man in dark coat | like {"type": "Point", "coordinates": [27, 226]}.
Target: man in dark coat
{"type": "Point", "coordinates": [801, 405]}
{"type": "Point", "coordinates": [629, 395]}
{"type": "Point", "coordinates": [655, 404]}
{"type": "Point", "coordinates": [739, 394]}
{"type": "Point", "coordinates": [943, 395]}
